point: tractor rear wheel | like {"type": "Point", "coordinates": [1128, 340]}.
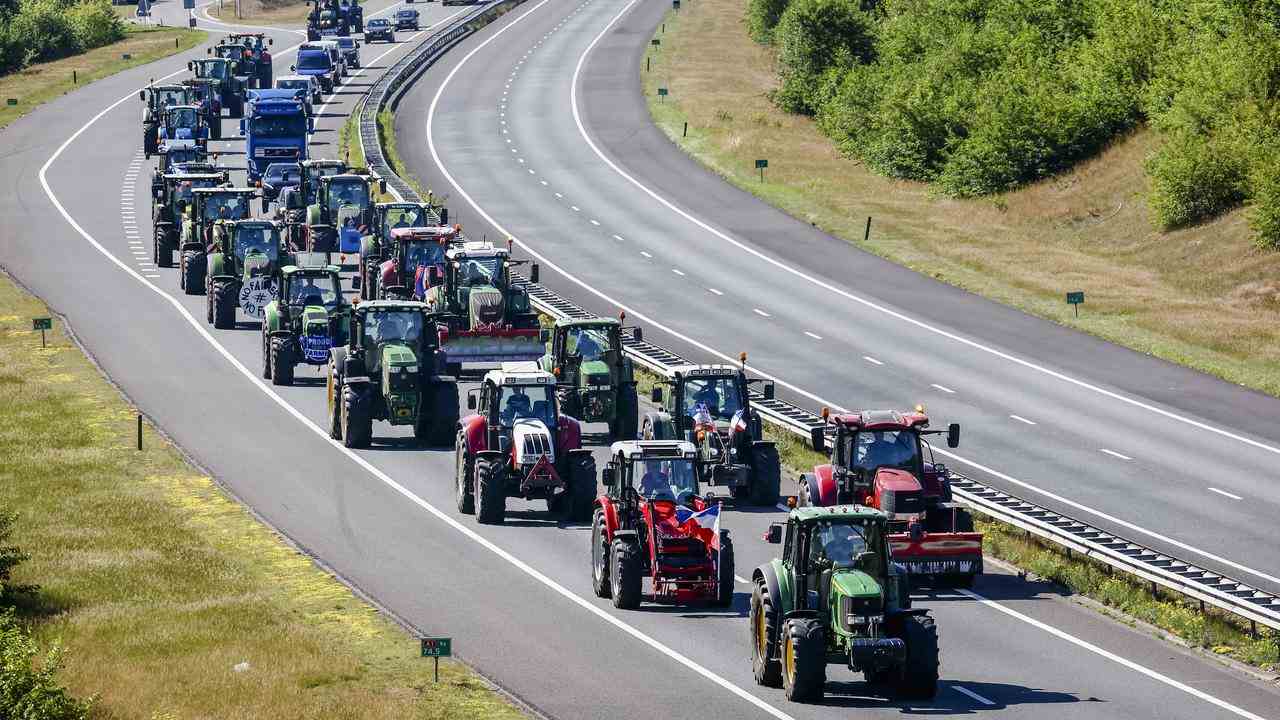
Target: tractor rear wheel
{"type": "Point", "coordinates": [624, 574]}
{"type": "Point", "coordinates": [464, 478]}
{"type": "Point", "coordinates": [919, 679]}
{"type": "Point", "coordinates": [725, 580]}
{"type": "Point", "coordinates": [766, 474]}
{"type": "Point", "coordinates": [162, 253]}
{"type": "Point", "coordinates": [600, 556]}
{"type": "Point", "coordinates": [281, 361]}
{"type": "Point", "coordinates": [804, 660]}
{"type": "Point", "coordinates": [491, 491]}
{"type": "Point", "coordinates": [764, 637]}
{"type": "Point", "coordinates": [192, 272]}
{"type": "Point", "coordinates": [357, 421]}
{"type": "Point", "coordinates": [582, 487]}
{"type": "Point", "coordinates": [224, 305]}
{"type": "Point", "coordinates": [626, 415]}
{"type": "Point", "coordinates": [266, 354]}
{"type": "Point", "coordinates": [333, 388]}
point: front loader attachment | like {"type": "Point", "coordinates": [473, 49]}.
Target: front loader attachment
{"type": "Point", "coordinates": [491, 345]}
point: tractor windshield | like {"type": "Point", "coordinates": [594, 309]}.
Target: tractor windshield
{"type": "Point", "coordinates": [226, 207]}
{"type": "Point", "coordinates": [178, 156]}
{"type": "Point", "coordinates": [837, 543]}
{"type": "Point", "coordinates": [526, 402]}
{"type": "Point", "coordinates": [183, 117]}
{"type": "Point", "coordinates": [421, 253]}
{"type": "Point", "coordinates": [387, 326]}
{"type": "Point", "coordinates": [672, 480]}
{"type": "Point", "coordinates": [355, 194]}
{"type": "Point", "coordinates": [403, 218]}
{"type": "Point", "coordinates": [479, 271]}
{"type": "Point", "coordinates": [260, 239]}
{"type": "Point", "coordinates": [170, 97]}
{"type": "Point", "coordinates": [587, 343]}
{"type": "Point", "coordinates": [718, 394]}
{"type": "Point", "coordinates": [216, 70]}
{"type": "Point", "coordinates": [874, 449]}
{"type": "Point", "coordinates": [313, 290]}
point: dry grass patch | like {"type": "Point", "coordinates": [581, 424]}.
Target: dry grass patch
{"type": "Point", "coordinates": [171, 600]}
{"type": "Point", "coordinates": [1204, 296]}
{"type": "Point", "coordinates": [282, 13]}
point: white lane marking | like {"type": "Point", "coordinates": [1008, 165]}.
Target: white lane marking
{"type": "Point", "coordinates": [760, 312]}
{"type": "Point", "coordinates": [642, 252]}
{"type": "Point", "coordinates": [559, 195]}
{"type": "Point", "coordinates": [574, 208]}
{"type": "Point", "coordinates": [1021, 419]}
{"type": "Point", "coordinates": [531, 172]}
{"type": "Point", "coordinates": [871, 360]}
{"type": "Point", "coordinates": [714, 291]}
{"type": "Point", "coordinates": [813, 335]}
{"type": "Point", "coordinates": [1113, 657]}
{"type": "Point", "coordinates": [677, 272]}
{"type": "Point", "coordinates": [1225, 493]}
{"type": "Point", "coordinates": [1113, 453]}
{"type": "Point", "coordinates": [943, 389]}
{"type": "Point", "coordinates": [972, 695]}
{"type": "Point", "coordinates": [577, 118]}
{"type": "Point", "coordinates": [595, 222]}
{"type": "Point", "coordinates": [618, 238]}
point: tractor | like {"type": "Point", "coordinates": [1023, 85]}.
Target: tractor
{"type": "Point", "coordinates": [207, 206]}
{"type": "Point", "coordinates": [155, 99]}
{"type": "Point", "coordinates": [415, 262]}
{"type": "Point", "coordinates": [837, 596]}
{"type": "Point", "coordinates": [242, 266]}
{"type": "Point", "coordinates": [308, 317]}
{"type": "Point", "coordinates": [709, 406]}
{"type": "Point", "coordinates": [182, 126]}
{"type": "Point", "coordinates": [169, 201]}
{"type": "Point", "coordinates": [259, 55]}
{"type": "Point", "coordinates": [206, 95]}
{"type": "Point", "coordinates": [376, 247]}
{"type": "Point", "coordinates": [228, 87]}
{"type": "Point", "coordinates": [291, 207]}
{"type": "Point", "coordinates": [341, 212]}
{"type": "Point", "coordinates": [878, 460]}
{"type": "Point", "coordinates": [489, 316]}
{"type": "Point", "coordinates": [391, 369]}
{"type": "Point", "coordinates": [594, 377]}
{"type": "Point", "coordinates": [516, 443]}
{"type": "Point", "coordinates": [651, 522]}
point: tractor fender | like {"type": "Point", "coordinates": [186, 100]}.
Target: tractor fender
{"type": "Point", "coordinates": [271, 318]}
{"type": "Point", "coordinates": [610, 513]}
{"type": "Point", "coordinates": [475, 432]}
{"type": "Point", "coordinates": [660, 425]}
{"type": "Point", "coordinates": [368, 247]}
{"type": "Point", "coordinates": [812, 482]}
{"type": "Point", "coordinates": [216, 267]}
{"type": "Point", "coordinates": [568, 434]}
{"type": "Point", "coordinates": [824, 479]}
{"type": "Point", "coordinates": [771, 585]}
{"type": "Point", "coordinates": [196, 246]}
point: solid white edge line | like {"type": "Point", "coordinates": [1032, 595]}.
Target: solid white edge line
{"type": "Point", "coordinates": [1224, 493]}
{"type": "Point", "coordinates": [1113, 453]}
{"type": "Point", "coordinates": [1021, 419]}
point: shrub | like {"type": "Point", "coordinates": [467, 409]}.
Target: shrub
{"type": "Point", "coordinates": [30, 689]}
{"type": "Point", "coordinates": [818, 41]}
{"type": "Point", "coordinates": [43, 30]}
{"type": "Point", "coordinates": [95, 24]}
{"type": "Point", "coordinates": [762, 17]}
{"type": "Point", "coordinates": [1264, 213]}
{"type": "Point", "coordinates": [1192, 179]}
{"type": "Point", "coordinates": [10, 557]}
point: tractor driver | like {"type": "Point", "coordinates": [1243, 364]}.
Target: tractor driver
{"type": "Point", "coordinates": [517, 407]}
{"type": "Point", "coordinates": [837, 543]}
{"type": "Point", "coordinates": [586, 346]}
{"type": "Point", "coordinates": [886, 448]}
{"type": "Point", "coordinates": [655, 482]}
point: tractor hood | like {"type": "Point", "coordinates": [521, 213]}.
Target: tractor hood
{"type": "Point", "coordinates": [485, 306]}
{"type": "Point", "coordinates": [532, 442]}
{"type": "Point", "coordinates": [595, 372]}
{"type": "Point", "coordinates": [400, 382]}
{"type": "Point", "coordinates": [854, 583]}
{"type": "Point", "coordinates": [314, 337]}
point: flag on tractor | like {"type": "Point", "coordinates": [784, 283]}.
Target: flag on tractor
{"type": "Point", "coordinates": [704, 525]}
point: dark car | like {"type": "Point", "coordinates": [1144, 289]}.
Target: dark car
{"type": "Point", "coordinates": [350, 49]}
{"type": "Point", "coordinates": [276, 177]}
{"type": "Point", "coordinates": [406, 19]}
{"type": "Point", "coordinates": [379, 29]}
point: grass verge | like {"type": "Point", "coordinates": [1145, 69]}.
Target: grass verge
{"type": "Point", "coordinates": [1203, 296]}
{"type": "Point", "coordinates": [387, 136]}
{"type": "Point", "coordinates": [282, 13]}
{"type": "Point", "coordinates": [41, 83]}
{"type": "Point", "coordinates": [170, 599]}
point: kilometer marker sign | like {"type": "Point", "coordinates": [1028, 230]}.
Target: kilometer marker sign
{"type": "Point", "coordinates": [436, 648]}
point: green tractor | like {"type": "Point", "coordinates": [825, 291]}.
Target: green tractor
{"type": "Point", "coordinates": [207, 206]}
{"type": "Point", "coordinates": [169, 201]}
{"type": "Point", "coordinates": [242, 266]}
{"type": "Point", "coordinates": [155, 99]}
{"type": "Point", "coordinates": [308, 318]}
{"type": "Point", "coordinates": [391, 369]}
{"type": "Point", "coordinates": [594, 378]}
{"type": "Point", "coordinates": [836, 596]}
{"type": "Point", "coordinates": [227, 86]}
{"type": "Point", "coordinates": [341, 212]}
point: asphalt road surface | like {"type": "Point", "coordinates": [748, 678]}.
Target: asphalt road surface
{"type": "Point", "coordinates": [516, 598]}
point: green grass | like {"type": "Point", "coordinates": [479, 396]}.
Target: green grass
{"type": "Point", "coordinates": [158, 584]}
{"type": "Point", "coordinates": [387, 136]}
{"type": "Point", "coordinates": [43, 82]}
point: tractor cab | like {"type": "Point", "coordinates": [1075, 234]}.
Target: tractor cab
{"type": "Point", "coordinates": [392, 216]}
{"type": "Point", "coordinates": [255, 245]}
{"type": "Point", "coordinates": [476, 283]}
{"type": "Point", "coordinates": [310, 172]}
{"type": "Point", "coordinates": [155, 99]}
{"type": "Point", "coordinates": [391, 335]}
{"type": "Point", "coordinates": [306, 318]}
{"type": "Point", "coordinates": [209, 205]}
{"type": "Point", "coordinates": [231, 51]}
{"type": "Point", "coordinates": [220, 69]}
{"type": "Point", "coordinates": [241, 269]}
{"type": "Point", "coordinates": [595, 377]}
{"type": "Point", "coordinates": [417, 261]}
{"type": "Point", "coordinates": [342, 212]}
{"type": "Point", "coordinates": [175, 191]}
{"type": "Point", "coordinates": [181, 159]}
{"type": "Point", "coordinates": [181, 126]}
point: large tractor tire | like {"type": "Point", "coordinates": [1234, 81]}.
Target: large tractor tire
{"type": "Point", "coordinates": [266, 354]}
{"type": "Point", "coordinates": [600, 556]}
{"type": "Point", "coordinates": [208, 303]}
{"type": "Point", "coordinates": [725, 578]}
{"type": "Point", "coordinates": [438, 415]}
{"type": "Point", "coordinates": [282, 361]}
{"type": "Point", "coordinates": [765, 621]}
{"type": "Point", "coordinates": [333, 387]}
{"type": "Point", "coordinates": [919, 678]}
{"type": "Point", "coordinates": [571, 404]}
{"type": "Point", "coordinates": [161, 254]}
{"type": "Point", "coordinates": [804, 659]}
{"type": "Point", "coordinates": [224, 305]}
{"type": "Point", "coordinates": [193, 268]}
{"type": "Point", "coordinates": [215, 127]}
{"type": "Point", "coordinates": [766, 474]}
{"type": "Point", "coordinates": [490, 490]}
{"type": "Point", "coordinates": [582, 487]}
{"type": "Point", "coordinates": [625, 574]}
{"type": "Point", "coordinates": [464, 478]}
{"type": "Point", "coordinates": [357, 418]}
{"type": "Point", "coordinates": [626, 415]}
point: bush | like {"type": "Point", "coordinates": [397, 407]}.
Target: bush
{"type": "Point", "coordinates": [95, 24]}
{"type": "Point", "coordinates": [762, 18]}
{"type": "Point", "coordinates": [818, 41]}
{"type": "Point", "coordinates": [29, 689]}
{"type": "Point", "coordinates": [1264, 215]}
{"type": "Point", "coordinates": [43, 30]}
{"type": "Point", "coordinates": [1193, 179]}
{"type": "Point", "coordinates": [10, 557]}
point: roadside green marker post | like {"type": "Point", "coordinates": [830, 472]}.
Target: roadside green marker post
{"type": "Point", "coordinates": [42, 324]}
{"type": "Point", "coordinates": [436, 648]}
{"type": "Point", "coordinates": [761, 165]}
{"type": "Point", "coordinates": [1076, 299]}
{"type": "Point", "coordinates": [11, 102]}
{"type": "Point", "coordinates": [662, 92]}
{"type": "Point", "coordinates": [126, 56]}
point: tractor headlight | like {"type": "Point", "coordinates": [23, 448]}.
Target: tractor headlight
{"type": "Point", "coordinates": [395, 369]}
{"type": "Point", "coordinates": [411, 368]}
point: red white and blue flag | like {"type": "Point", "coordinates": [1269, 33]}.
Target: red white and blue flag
{"type": "Point", "coordinates": [704, 525]}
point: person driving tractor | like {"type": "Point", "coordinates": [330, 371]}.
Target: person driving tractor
{"type": "Point", "coordinates": [886, 449]}
{"type": "Point", "coordinates": [391, 328]}
{"type": "Point", "coordinates": [655, 480]}
{"type": "Point", "coordinates": [517, 407]}
{"type": "Point", "coordinates": [838, 544]}
{"type": "Point", "coordinates": [708, 396]}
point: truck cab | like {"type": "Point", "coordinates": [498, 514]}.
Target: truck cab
{"type": "Point", "coordinates": [275, 128]}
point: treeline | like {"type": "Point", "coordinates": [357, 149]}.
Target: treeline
{"type": "Point", "coordinates": [981, 96]}
{"type": "Point", "coordinates": [33, 31]}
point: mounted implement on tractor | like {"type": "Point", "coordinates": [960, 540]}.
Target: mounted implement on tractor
{"type": "Point", "coordinates": [836, 596]}
{"type": "Point", "coordinates": [242, 269]}
{"type": "Point", "coordinates": [207, 206]}
{"type": "Point", "coordinates": [710, 407]}
{"type": "Point", "coordinates": [651, 522]}
{"type": "Point", "coordinates": [517, 444]}
{"type": "Point", "coordinates": [341, 212]}
{"type": "Point", "coordinates": [594, 377]}
{"type": "Point", "coordinates": [877, 460]}
{"type": "Point", "coordinates": [308, 318]}
{"type": "Point", "coordinates": [490, 319]}
{"type": "Point", "coordinates": [170, 200]}
{"type": "Point", "coordinates": [391, 370]}
{"type": "Point", "coordinates": [415, 262]}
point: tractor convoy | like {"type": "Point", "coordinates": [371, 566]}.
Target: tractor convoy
{"type": "Point", "coordinates": [428, 307]}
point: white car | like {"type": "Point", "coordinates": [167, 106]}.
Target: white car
{"type": "Point", "coordinates": [310, 89]}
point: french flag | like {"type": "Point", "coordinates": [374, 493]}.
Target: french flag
{"type": "Point", "coordinates": [701, 524]}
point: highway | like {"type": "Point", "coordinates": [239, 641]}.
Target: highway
{"type": "Point", "coordinates": [516, 598]}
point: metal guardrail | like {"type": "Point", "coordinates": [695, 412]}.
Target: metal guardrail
{"type": "Point", "coordinates": [1162, 570]}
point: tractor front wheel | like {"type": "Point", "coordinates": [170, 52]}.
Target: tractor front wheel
{"type": "Point", "coordinates": [725, 580]}
{"type": "Point", "coordinates": [919, 679]}
{"type": "Point", "coordinates": [804, 660]}
{"type": "Point", "coordinates": [333, 388]}
{"type": "Point", "coordinates": [582, 487]}
{"type": "Point", "coordinates": [490, 491]}
{"type": "Point", "coordinates": [357, 420]}
{"type": "Point", "coordinates": [464, 478]}
{"type": "Point", "coordinates": [192, 272]}
{"type": "Point", "coordinates": [163, 254]}
{"type": "Point", "coordinates": [281, 360]}
{"type": "Point", "coordinates": [766, 474]}
{"type": "Point", "coordinates": [625, 574]}
{"type": "Point", "coordinates": [224, 305]}
{"type": "Point", "coordinates": [266, 354]}
{"type": "Point", "coordinates": [600, 556]}
{"type": "Point", "coordinates": [764, 637]}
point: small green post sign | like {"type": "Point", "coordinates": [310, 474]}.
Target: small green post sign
{"type": "Point", "coordinates": [436, 648]}
{"type": "Point", "coordinates": [42, 324]}
{"type": "Point", "coordinates": [662, 92]}
{"type": "Point", "coordinates": [1076, 299]}
{"type": "Point", "coordinates": [761, 165]}
{"type": "Point", "coordinates": [11, 101]}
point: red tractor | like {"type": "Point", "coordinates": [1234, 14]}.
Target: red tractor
{"type": "Point", "coordinates": [878, 460]}
{"type": "Point", "coordinates": [415, 263]}
{"type": "Point", "coordinates": [517, 444]}
{"type": "Point", "coordinates": [651, 522]}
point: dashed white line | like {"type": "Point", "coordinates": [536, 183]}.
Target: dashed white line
{"type": "Point", "coordinates": [813, 335]}
{"type": "Point", "coordinates": [678, 272]}
{"type": "Point", "coordinates": [544, 182]}
{"type": "Point", "coordinates": [531, 172]}
{"type": "Point", "coordinates": [1021, 419]}
{"type": "Point", "coordinates": [575, 208]}
{"type": "Point", "coordinates": [947, 390]}
{"type": "Point", "coordinates": [760, 312]}
{"type": "Point", "coordinates": [618, 238]}
{"type": "Point", "coordinates": [972, 695]}
{"type": "Point", "coordinates": [871, 360]}
{"type": "Point", "coordinates": [1224, 493]}
{"type": "Point", "coordinates": [595, 222]}
{"type": "Point", "coordinates": [559, 195]}
{"type": "Point", "coordinates": [1115, 454]}
{"type": "Point", "coordinates": [645, 254]}
{"type": "Point", "coordinates": [714, 291]}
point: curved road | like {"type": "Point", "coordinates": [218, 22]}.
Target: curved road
{"type": "Point", "coordinates": [516, 598]}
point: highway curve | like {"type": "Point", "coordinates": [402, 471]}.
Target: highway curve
{"type": "Point", "coordinates": [516, 598]}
